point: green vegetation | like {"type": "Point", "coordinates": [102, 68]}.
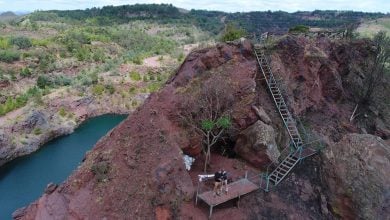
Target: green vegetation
{"type": "Point", "coordinates": [132, 90]}
{"type": "Point", "coordinates": [281, 22]}
{"type": "Point", "coordinates": [207, 112]}
{"type": "Point", "coordinates": [135, 76]}
{"type": "Point", "coordinates": [82, 49]}
{"type": "Point", "coordinates": [25, 72]}
{"type": "Point", "coordinates": [37, 131]}
{"type": "Point", "coordinates": [9, 56]}
{"type": "Point", "coordinates": [98, 89]}
{"type": "Point", "coordinates": [4, 43]}
{"type": "Point", "coordinates": [110, 88]}
{"type": "Point", "coordinates": [13, 103]}
{"type": "Point", "coordinates": [299, 29]}
{"type": "Point", "coordinates": [43, 81]}
{"type": "Point", "coordinates": [62, 112]}
{"type": "Point", "coordinates": [232, 32]}
{"type": "Point", "coordinates": [21, 42]}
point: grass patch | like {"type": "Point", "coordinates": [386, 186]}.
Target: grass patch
{"type": "Point", "coordinates": [37, 131]}
{"type": "Point", "coordinates": [98, 89]}
{"type": "Point", "coordinates": [135, 76]}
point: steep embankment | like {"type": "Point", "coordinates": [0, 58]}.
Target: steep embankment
{"type": "Point", "coordinates": [138, 166]}
{"type": "Point", "coordinates": [137, 171]}
{"type": "Point", "coordinates": [322, 83]}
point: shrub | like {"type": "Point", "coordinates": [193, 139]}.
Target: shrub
{"type": "Point", "coordinates": [62, 81]}
{"type": "Point", "coordinates": [25, 72]}
{"type": "Point", "coordinates": [45, 61]}
{"type": "Point", "coordinates": [98, 55]}
{"type": "Point", "coordinates": [100, 170]}
{"type": "Point", "coordinates": [110, 88]}
{"type": "Point", "coordinates": [4, 43]}
{"type": "Point", "coordinates": [135, 76]}
{"type": "Point", "coordinates": [137, 60]}
{"type": "Point", "coordinates": [132, 90]}
{"type": "Point", "coordinates": [153, 87]}
{"type": "Point", "coordinates": [299, 29]}
{"type": "Point", "coordinates": [98, 89]}
{"type": "Point", "coordinates": [37, 131]}
{"type": "Point", "coordinates": [40, 42]}
{"type": "Point", "coordinates": [21, 42]}
{"type": "Point", "coordinates": [9, 56]}
{"type": "Point", "coordinates": [62, 112]}
{"type": "Point", "coordinates": [43, 81]}
{"type": "Point", "coordinates": [145, 78]}
{"type": "Point", "coordinates": [82, 54]}
{"type": "Point", "coordinates": [232, 32]}
{"type": "Point", "coordinates": [180, 57]}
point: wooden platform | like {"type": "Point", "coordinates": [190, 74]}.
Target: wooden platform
{"type": "Point", "coordinates": [235, 190]}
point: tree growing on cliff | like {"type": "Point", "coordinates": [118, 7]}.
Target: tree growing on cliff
{"type": "Point", "coordinates": [207, 112]}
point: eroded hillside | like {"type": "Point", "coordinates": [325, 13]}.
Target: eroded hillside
{"type": "Point", "coordinates": [137, 170]}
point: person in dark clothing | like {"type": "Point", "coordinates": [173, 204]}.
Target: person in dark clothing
{"type": "Point", "coordinates": [218, 178]}
{"type": "Point", "coordinates": [224, 178]}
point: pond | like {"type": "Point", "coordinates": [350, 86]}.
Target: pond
{"type": "Point", "coordinates": [23, 180]}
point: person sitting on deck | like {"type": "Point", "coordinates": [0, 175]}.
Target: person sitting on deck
{"type": "Point", "coordinates": [218, 182]}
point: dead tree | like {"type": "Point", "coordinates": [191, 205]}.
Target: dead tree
{"type": "Point", "coordinates": [377, 68]}
{"type": "Point", "coordinates": [371, 73]}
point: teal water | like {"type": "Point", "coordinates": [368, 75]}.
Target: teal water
{"type": "Point", "coordinates": [23, 180]}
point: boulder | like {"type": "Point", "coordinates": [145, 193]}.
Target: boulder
{"type": "Point", "coordinates": [261, 114]}
{"type": "Point", "coordinates": [357, 174]}
{"type": "Point", "coordinates": [50, 188]}
{"type": "Point", "coordinates": [257, 145]}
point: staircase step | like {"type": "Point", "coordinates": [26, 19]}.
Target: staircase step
{"type": "Point", "coordinates": [273, 179]}
{"type": "Point", "coordinates": [291, 127]}
{"type": "Point", "coordinates": [285, 166]}
{"type": "Point", "coordinates": [288, 163]}
{"type": "Point", "coordinates": [294, 134]}
{"type": "Point", "coordinates": [291, 160]}
{"type": "Point", "coordinates": [282, 169]}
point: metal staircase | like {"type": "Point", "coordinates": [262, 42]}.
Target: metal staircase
{"type": "Point", "coordinates": [297, 152]}
{"type": "Point", "coordinates": [288, 120]}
